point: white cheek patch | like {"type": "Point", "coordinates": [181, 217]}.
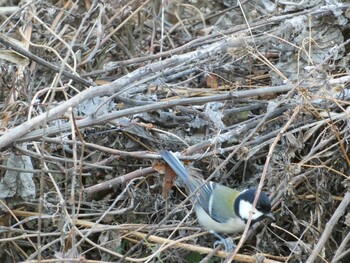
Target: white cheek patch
{"type": "Point", "coordinates": [244, 210]}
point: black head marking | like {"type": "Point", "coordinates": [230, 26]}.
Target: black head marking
{"type": "Point", "coordinates": [263, 205]}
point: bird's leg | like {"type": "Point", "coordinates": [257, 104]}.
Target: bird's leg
{"type": "Point", "coordinates": [228, 242]}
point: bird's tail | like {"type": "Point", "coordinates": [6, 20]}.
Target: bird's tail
{"type": "Point", "coordinates": [176, 165]}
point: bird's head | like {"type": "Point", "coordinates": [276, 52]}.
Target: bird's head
{"type": "Point", "coordinates": [244, 204]}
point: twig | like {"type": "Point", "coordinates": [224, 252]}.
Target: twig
{"type": "Point", "coordinates": [215, 37]}
{"type": "Point", "coordinates": [104, 187]}
{"type": "Point", "coordinates": [339, 254]}
{"type": "Point", "coordinates": [200, 249]}
{"type": "Point", "coordinates": [6, 42]}
{"type": "Point", "coordinates": [18, 133]}
{"type": "Point", "coordinates": [329, 227]}
{"type": "Point", "coordinates": [211, 254]}
{"type": "Point", "coordinates": [271, 150]}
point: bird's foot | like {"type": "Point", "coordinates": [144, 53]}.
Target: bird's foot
{"type": "Point", "coordinates": [227, 242]}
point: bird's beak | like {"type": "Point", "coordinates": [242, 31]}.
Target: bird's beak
{"type": "Point", "coordinates": [270, 215]}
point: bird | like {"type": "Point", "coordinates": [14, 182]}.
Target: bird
{"type": "Point", "coordinates": [220, 209]}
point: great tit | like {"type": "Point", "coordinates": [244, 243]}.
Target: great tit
{"type": "Point", "coordinates": [220, 209]}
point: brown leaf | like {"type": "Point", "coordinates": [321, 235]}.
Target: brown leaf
{"type": "Point", "coordinates": [167, 179]}
{"type": "Point", "coordinates": [212, 81]}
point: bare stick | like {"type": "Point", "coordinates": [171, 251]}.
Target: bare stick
{"type": "Point", "coordinates": [329, 227]}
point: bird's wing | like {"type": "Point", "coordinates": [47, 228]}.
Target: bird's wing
{"type": "Point", "coordinates": [217, 200]}
{"type": "Point", "coordinates": [221, 206]}
{"type": "Point", "coordinates": [204, 194]}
